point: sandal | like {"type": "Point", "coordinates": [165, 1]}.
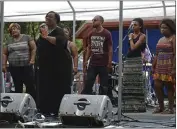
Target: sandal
{"type": "Point", "coordinates": [168, 111]}
{"type": "Point", "coordinates": [157, 110]}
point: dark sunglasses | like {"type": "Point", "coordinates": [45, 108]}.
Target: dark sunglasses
{"type": "Point", "coordinates": [95, 20]}
{"type": "Point", "coordinates": [43, 26]}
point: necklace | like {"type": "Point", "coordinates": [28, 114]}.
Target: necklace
{"type": "Point", "coordinates": [51, 30]}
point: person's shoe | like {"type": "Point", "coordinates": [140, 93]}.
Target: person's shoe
{"type": "Point", "coordinates": [158, 110]}
{"type": "Point", "coordinates": [168, 111]}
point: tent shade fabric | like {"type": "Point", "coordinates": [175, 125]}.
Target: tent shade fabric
{"type": "Point", "coordinates": [32, 11]}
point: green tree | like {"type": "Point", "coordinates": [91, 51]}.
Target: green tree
{"type": "Point", "coordinates": [32, 29]}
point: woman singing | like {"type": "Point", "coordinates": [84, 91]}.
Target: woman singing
{"type": "Point", "coordinates": [54, 60]}
{"type": "Point", "coordinates": [137, 39]}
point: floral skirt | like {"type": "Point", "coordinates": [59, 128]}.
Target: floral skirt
{"type": "Point", "coordinates": [162, 77]}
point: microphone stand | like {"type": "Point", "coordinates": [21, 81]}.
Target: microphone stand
{"type": "Point", "coordinates": [129, 30]}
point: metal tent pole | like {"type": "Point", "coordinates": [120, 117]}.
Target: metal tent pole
{"type": "Point", "coordinates": [164, 9]}
{"type": "Point", "coordinates": [120, 60]}
{"type": "Point", "coordinates": [74, 31]}
{"type": "Point", "coordinates": [74, 21]}
{"type": "Point", "coordinates": [1, 43]}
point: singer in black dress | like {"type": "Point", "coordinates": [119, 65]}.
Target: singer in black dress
{"type": "Point", "coordinates": [55, 64]}
{"type": "Point", "coordinates": [137, 39]}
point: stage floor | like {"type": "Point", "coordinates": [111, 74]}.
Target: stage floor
{"type": "Point", "coordinates": [146, 120]}
{"type": "Point", "coordinates": [135, 120]}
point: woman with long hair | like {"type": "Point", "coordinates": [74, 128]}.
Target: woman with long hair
{"type": "Point", "coordinates": [137, 39]}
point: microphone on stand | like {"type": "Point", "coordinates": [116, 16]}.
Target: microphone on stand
{"type": "Point", "coordinates": [130, 28]}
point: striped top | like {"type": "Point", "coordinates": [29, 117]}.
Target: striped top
{"type": "Point", "coordinates": [19, 51]}
{"type": "Point", "coordinates": [165, 57]}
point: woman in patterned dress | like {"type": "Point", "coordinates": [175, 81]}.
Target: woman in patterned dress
{"type": "Point", "coordinates": [164, 65]}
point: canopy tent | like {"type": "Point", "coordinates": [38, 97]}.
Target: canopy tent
{"type": "Point", "coordinates": [84, 10]}
{"type": "Point", "coordinates": [35, 11]}
{"type": "Point", "coordinates": [32, 11]}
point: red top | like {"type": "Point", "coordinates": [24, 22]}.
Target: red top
{"type": "Point", "coordinates": [99, 43]}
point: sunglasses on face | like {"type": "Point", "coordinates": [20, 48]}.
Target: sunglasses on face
{"type": "Point", "coordinates": [94, 20]}
{"type": "Point", "coordinates": [43, 26]}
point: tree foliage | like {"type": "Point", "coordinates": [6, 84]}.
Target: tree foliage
{"type": "Point", "coordinates": [32, 29]}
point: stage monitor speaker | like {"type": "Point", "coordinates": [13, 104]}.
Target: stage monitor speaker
{"type": "Point", "coordinates": [86, 110]}
{"type": "Point", "coordinates": [17, 106]}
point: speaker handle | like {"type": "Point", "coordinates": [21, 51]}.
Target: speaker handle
{"type": "Point", "coordinates": [7, 100]}
{"type": "Point", "coordinates": [82, 101]}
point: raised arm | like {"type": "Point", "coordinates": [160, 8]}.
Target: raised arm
{"type": "Point", "coordinates": [141, 40]}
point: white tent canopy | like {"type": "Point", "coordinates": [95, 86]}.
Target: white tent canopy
{"type": "Point", "coordinates": [32, 11]}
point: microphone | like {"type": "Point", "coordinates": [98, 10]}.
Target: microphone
{"type": "Point", "coordinates": [43, 29]}
{"type": "Point", "coordinates": [42, 26]}
{"type": "Point", "coordinates": [130, 27]}
{"type": "Point", "coordinates": [131, 24]}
